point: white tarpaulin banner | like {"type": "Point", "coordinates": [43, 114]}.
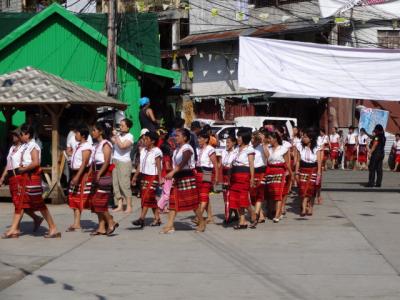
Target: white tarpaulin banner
{"type": "Point", "coordinates": [331, 7]}
{"type": "Point", "coordinates": [319, 70]}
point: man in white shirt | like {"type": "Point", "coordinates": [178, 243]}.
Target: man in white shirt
{"type": "Point", "coordinates": [123, 143]}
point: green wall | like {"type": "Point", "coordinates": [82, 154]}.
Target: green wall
{"type": "Point", "coordinates": [58, 47]}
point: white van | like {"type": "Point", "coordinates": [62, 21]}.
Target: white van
{"type": "Point", "coordinates": [257, 122]}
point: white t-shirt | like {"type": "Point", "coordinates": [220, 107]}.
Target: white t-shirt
{"type": "Point", "coordinates": [322, 140]}
{"type": "Point", "coordinates": [27, 150]}
{"type": "Point", "coordinates": [307, 155]}
{"type": "Point", "coordinates": [286, 144]}
{"type": "Point", "coordinates": [72, 142]}
{"type": "Point", "coordinates": [178, 156]}
{"type": "Point", "coordinates": [276, 156]}
{"type": "Point", "coordinates": [124, 155]}
{"type": "Point", "coordinates": [351, 138]}
{"type": "Point", "coordinates": [259, 157]}
{"type": "Point", "coordinates": [363, 139]}
{"type": "Point", "coordinates": [98, 154]}
{"type": "Point", "coordinates": [203, 156]}
{"type": "Point", "coordinates": [334, 138]}
{"type": "Point", "coordinates": [296, 141]}
{"type": "Point", "coordinates": [148, 164]}
{"type": "Point", "coordinates": [242, 157]}
{"type": "Point", "coordinates": [227, 158]}
{"type": "Point", "coordinates": [14, 157]}
{"type": "Point", "coordinates": [76, 159]}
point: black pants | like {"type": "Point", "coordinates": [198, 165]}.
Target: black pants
{"type": "Point", "coordinates": [375, 166]}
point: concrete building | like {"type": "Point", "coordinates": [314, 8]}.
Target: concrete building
{"type": "Point", "coordinates": [11, 5]}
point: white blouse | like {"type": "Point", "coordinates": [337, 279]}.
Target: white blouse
{"type": "Point", "coordinates": [242, 157]}
{"type": "Point", "coordinates": [334, 138]}
{"type": "Point", "coordinates": [276, 156]}
{"type": "Point", "coordinates": [98, 154]}
{"type": "Point", "coordinates": [148, 164]}
{"type": "Point", "coordinates": [227, 158]}
{"type": "Point", "coordinates": [363, 139]}
{"type": "Point", "coordinates": [351, 138]}
{"type": "Point", "coordinates": [27, 152]}
{"type": "Point", "coordinates": [286, 144]}
{"type": "Point", "coordinates": [296, 141]}
{"type": "Point", "coordinates": [203, 156]}
{"type": "Point", "coordinates": [14, 157]}
{"type": "Point", "coordinates": [178, 157]}
{"type": "Point", "coordinates": [322, 140]}
{"type": "Point", "coordinates": [259, 157]}
{"type": "Point", "coordinates": [76, 159]}
{"type": "Point", "coordinates": [307, 155]}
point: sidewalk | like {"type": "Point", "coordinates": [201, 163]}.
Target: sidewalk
{"type": "Point", "coordinates": [348, 249]}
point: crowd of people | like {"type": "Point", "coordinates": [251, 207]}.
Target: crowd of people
{"type": "Point", "coordinates": [177, 171]}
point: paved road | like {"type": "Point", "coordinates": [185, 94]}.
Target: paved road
{"type": "Point", "coordinates": [348, 249]}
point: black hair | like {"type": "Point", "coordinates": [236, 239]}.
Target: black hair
{"type": "Point", "coordinates": [245, 134]}
{"type": "Point", "coordinates": [322, 130]}
{"type": "Point", "coordinates": [179, 122]}
{"type": "Point", "coordinates": [205, 135]}
{"type": "Point", "coordinates": [127, 122]}
{"type": "Point", "coordinates": [152, 136]}
{"type": "Point", "coordinates": [186, 133]}
{"type": "Point", "coordinates": [27, 129]}
{"type": "Point", "coordinates": [397, 134]}
{"type": "Point", "coordinates": [363, 130]}
{"type": "Point", "coordinates": [312, 135]}
{"type": "Point", "coordinates": [282, 131]}
{"type": "Point", "coordinates": [83, 130]}
{"type": "Point", "coordinates": [298, 131]}
{"type": "Point", "coordinates": [195, 125]}
{"type": "Point", "coordinates": [206, 127]}
{"type": "Point", "coordinates": [166, 149]}
{"type": "Point", "coordinates": [351, 128]}
{"type": "Point", "coordinates": [232, 138]}
{"type": "Point", "coordinates": [267, 122]}
{"type": "Point", "coordinates": [379, 129]}
{"type": "Point", "coordinates": [105, 128]}
{"type": "Point", "coordinates": [276, 136]}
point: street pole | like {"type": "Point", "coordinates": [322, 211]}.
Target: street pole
{"type": "Point", "coordinates": [111, 74]}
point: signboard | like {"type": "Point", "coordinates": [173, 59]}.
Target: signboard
{"type": "Point", "coordinates": [369, 118]}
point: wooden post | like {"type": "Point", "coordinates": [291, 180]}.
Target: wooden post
{"type": "Point", "coordinates": [55, 113]}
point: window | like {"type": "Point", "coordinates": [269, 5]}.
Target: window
{"type": "Point", "coordinates": [8, 3]}
{"type": "Point", "coordinates": [389, 39]}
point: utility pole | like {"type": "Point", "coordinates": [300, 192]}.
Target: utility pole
{"type": "Point", "coordinates": [111, 75]}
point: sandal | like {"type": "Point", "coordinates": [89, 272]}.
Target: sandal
{"type": "Point", "coordinates": [155, 223]}
{"type": "Point", "coordinates": [139, 223]}
{"type": "Point", "coordinates": [239, 227]}
{"type": "Point", "coordinates": [112, 229]}
{"type": "Point", "coordinates": [168, 230]}
{"type": "Point", "coordinates": [53, 236]}
{"type": "Point", "coordinates": [36, 224]}
{"type": "Point", "coordinates": [10, 236]}
{"type": "Point", "coordinates": [72, 229]}
{"type": "Point", "coordinates": [94, 233]}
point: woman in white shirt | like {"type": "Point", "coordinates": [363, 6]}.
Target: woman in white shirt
{"type": "Point", "coordinates": [123, 143]}
{"type": "Point", "coordinates": [396, 149]}
{"type": "Point", "coordinates": [363, 141]}
{"type": "Point", "coordinates": [184, 194]}
{"type": "Point", "coordinates": [228, 154]}
{"type": "Point", "coordinates": [102, 179]}
{"type": "Point", "coordinates": [308, 170]}
{"type": "Point", "coordinates": [29, 182]}
{"type": "Point", "coordinates": [351, 149]}
{"type": "Point", "coordinates": [278, 165]}
{"type": "Point", "coordinates": [206, 172]}
{"type": "Point", "coordinates": [242, 177]}
{"type": "Point", "coordinates": [149, 172]}
{"type": "Point", "coordinates": [81, 183]}
{"type": "Point", "coordinates": [334, 142]}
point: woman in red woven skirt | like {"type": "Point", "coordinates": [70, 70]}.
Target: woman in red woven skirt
{"type": "Point", "coordinates": [257, 193]}
{"type": "Point", "coordinates": [206, 172]}
{"type": "Point", "coordinates": [102, 179]}
{"type": "Point", "coordinates": [28, 187]}
{"type": "Point", "coordinates": [184, 195]}
{"type": "Point", "coordinates": [278, 165]}
{"type": "Point", "coordinates": [334, 141]}
{"type": "Point", "coordinates": [308, 170]}
{"type": "Point", "coordinates": [149, 173]}
{"type": "Point", "coordinates": [81, 183]}
{"type": "Point", "coordinates": [363, 141]}
{"type": "Point", "coordinates": [242, 178]}
{"type": "Point", "coordinates": [227, 156]}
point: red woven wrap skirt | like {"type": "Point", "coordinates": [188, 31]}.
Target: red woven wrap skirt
{"type": "Point", "coordinates": [326, 152]}
{"type": "Point", "coordinates": [275, 180]}
{"type": "Point", "coordinates": [397, 157]}
{"type": "Point", "coordinates": [101, 192]}
{"type": "Point", "coordinates": [27, 190]}
{"type": "Point", "coordinates": [307, 182]}
{"type": "Point", "coordinates": [334, 150]}
{"type": "Point", "coordinates": [351, 152]}
{"type": "Point", "coordinates": [148, 186]}
{"type": "Point", "coordinates": [184, 195]}
{"type": "Point", "coordinates": [239, 189]}
{"type": "Point", "coordinates": [362, 154]}
{"type": "Point", "coordinates": [203, 187]}
{"type": "Point", "coordinates": [257, 194]}
{"type": "Point", "coordinates": [79, 195]}
{"type": "Point", "coordinates": [15, 195]}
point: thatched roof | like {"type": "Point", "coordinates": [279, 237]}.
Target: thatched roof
{"type": "Point", "coordinates": [30, 86]}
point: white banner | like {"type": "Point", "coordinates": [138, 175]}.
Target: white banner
{"type": "Point", "coordinates": [331, 7]}
{"type": "Point", "coordinates": [319, 70]}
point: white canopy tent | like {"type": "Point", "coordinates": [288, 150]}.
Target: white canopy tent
{"type": "Point", "coordinates": [319, 70]}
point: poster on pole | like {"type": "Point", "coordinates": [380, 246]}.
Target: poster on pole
{"type": "Point", "coordinates": [369, 118]}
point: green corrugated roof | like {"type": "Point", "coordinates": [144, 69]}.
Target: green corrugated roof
{"type": "Point", "coordinates": [137, 33]}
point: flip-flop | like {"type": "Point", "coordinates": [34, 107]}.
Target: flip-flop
{"type": "Point", "coordinates": [94, 233]}
{"type": "Point", "coordinates": [36, 224]}
{"type": "Point", "coordinates": [53, 236]}
{"type": "Point", "coordinates": [10, 236]}
{"type": "Point", "coordinates": [72, 229]}
{"type": "Point", "coordinates": [111, 231]}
